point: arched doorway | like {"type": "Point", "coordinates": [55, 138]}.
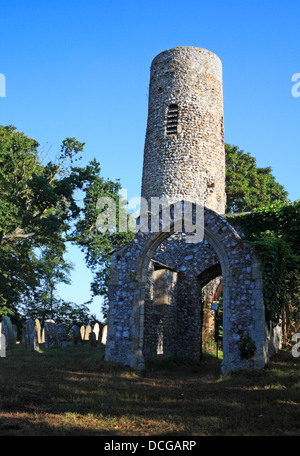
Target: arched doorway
{"type": "Point", "coordinates": [211, 285]}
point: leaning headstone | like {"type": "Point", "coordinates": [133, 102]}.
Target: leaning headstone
{"type": "Point", "coordinates": [82, 332]}
{"type": "Point", "coordinates": [92, 339]}
{"type": "Point", "coordinates": [88, 329]}
{"type": "Point", "coordinates": [62, 336]}
{"type": "Point", "coordinates": [96, 330]}
{"type": "Point", "coordinates": [104, 335]}
{"type": "Point", "coordinates": [30, 335]}
{"type": "Point", "coordinates": [50, 334]}
{"type": "Point", "coordinates": [38, 329]}
{"type": "Point", "coordinates": [75, 335]}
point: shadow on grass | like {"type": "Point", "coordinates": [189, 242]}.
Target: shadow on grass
{"type": "Point", "coordinates": [208, 365]}
{"type": "Point", "coordinates": [71, 391]}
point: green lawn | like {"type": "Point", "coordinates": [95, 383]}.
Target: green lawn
{"type": "Point", "coordinates": [72, 391]}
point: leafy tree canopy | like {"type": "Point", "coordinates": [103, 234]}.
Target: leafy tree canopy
{"type": "Point", "coordinates": [248, 186]}
{"type": "Point", "coordinates": [274, 232]}
{"type": "Point", "coordinates": [38, 208]}
{"type": "Point", "coordinates": [37, 201]}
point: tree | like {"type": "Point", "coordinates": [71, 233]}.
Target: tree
{"type": "Point", "coordinates": [37, 206]}
{"type": "Point", "coordinates": [18, 279]}
{"type": "Point", "coordinates": [274, 232]}
{"type": "Point", "coordinates": [98, 245]}
{"type": "Point", "coordinates": [38, 209]}
{"type": "Point", "coordinates": [272, 225]}
{"type": "Point", "coordinates": [65, 312]}
{"type": "Point", "coordinates": [37, 201]}
{"type": "Point", "coordinates": [51, 269]}
{"type": "Point", "coordinates": [248, 186]}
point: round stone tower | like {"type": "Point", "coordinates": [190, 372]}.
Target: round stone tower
{"type": "Point", "coordinates": [184, 156]}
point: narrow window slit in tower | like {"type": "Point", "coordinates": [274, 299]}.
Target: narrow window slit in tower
{"type": "Point", "coordinates": [172, 119]}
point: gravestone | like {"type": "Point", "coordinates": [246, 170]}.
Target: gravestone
{"type": "Point", "coordinates": [30, 335]}
{"type": "Point", "coordinates": [39, 330]}
{"type": "Point", "coordinates": [96, 330]}
{"type": "Point", "coordinates": [82, 332]}
{"type": "Point", "coordinates": [62, 337]}
{"type": "Point", "coordinates": [75, 335]}
{"type": "Point", "coordinates": [92, 339]}
{"type": "Point", "coordinates": [8, 331]}
{"type": "Point", "coordinates": [2, 345]}
{"type": "Point", "coordinates": [50, 334]}
{"type": "Point", "coordinates": [88, 329]}
{"type": "Point", "coordinates": [104, 335]}
{"type": "Point", "coordinates": [4, 331]}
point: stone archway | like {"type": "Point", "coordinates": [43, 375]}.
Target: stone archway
{"type": "Point", "coordinates": [243, 312]}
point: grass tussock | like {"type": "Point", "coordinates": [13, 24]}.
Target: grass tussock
{"type": "Point", "coordinates": [72, 391]}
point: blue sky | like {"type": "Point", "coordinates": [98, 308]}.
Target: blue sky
{"type": "Point", "coordinates": [81, 69]}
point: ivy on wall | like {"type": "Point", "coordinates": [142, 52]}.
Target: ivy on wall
{"type": "Point", "coordinates": [274, 232]}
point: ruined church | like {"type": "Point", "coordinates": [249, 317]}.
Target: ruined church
{"type": "Point", "coordinates": [160, 281]}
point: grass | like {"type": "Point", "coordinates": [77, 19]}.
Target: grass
{"type": "Point", "coordinates": [71, 391]}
